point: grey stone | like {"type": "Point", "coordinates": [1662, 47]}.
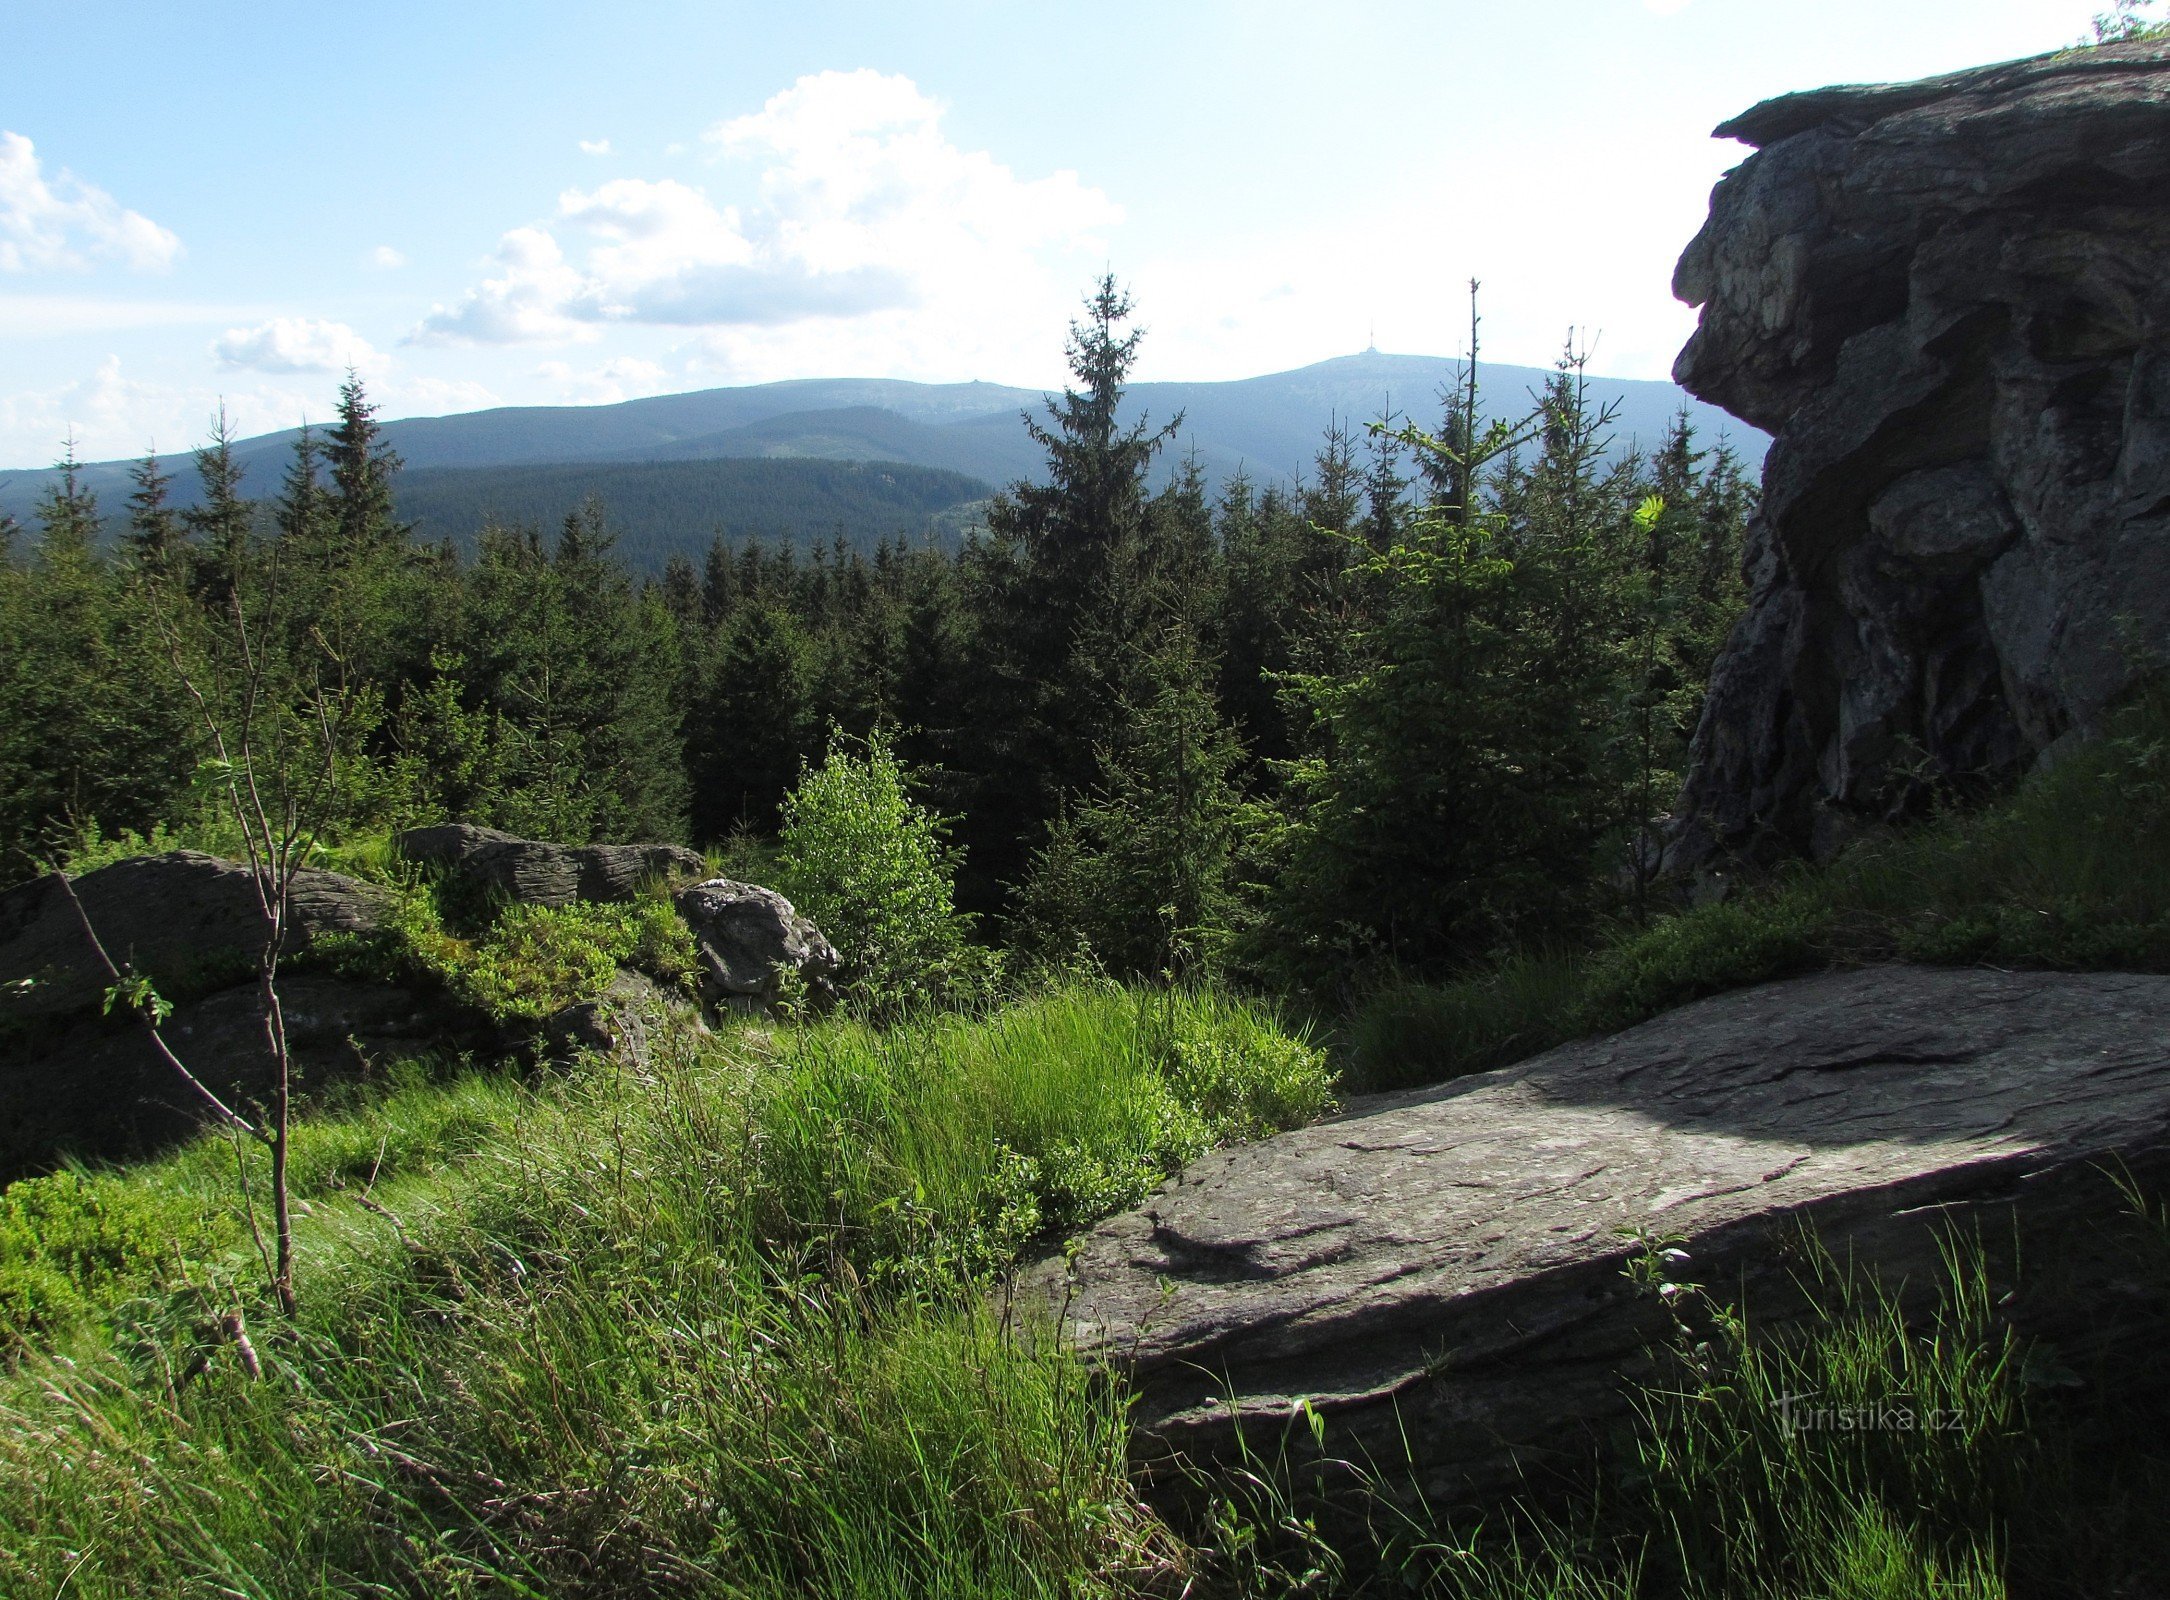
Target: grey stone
{"type": "Point", "coordinates": [1444, 1269]}
{"type": "Point", "coordinates": [1949, 301]}
{"type": "Point", "coordinates": [753, 944]}
{"type": "Point", "coordinates": [535, 872]}
{"type": "Point", "coordinates": [95, 1089]}
{"type": "Point", "coordinates": [621, 1022]}
{"type": "Point", "coordinates": [190, 921]}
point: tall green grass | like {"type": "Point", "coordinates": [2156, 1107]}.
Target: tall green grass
{"type": "Point", "coordinates": [725, 1325]}
{"type": "Point", "coordinates": [2072, 872]}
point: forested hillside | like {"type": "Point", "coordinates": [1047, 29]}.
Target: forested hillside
{"type": "Point", "coordinates": [1418, 710]}
{"type": "Point", "coordinates": [1266, 427]}
{"type": "Point", "coordinates": [664, 508]}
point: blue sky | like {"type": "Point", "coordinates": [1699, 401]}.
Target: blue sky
{"type": "Point", "coordinates": [556, 202]}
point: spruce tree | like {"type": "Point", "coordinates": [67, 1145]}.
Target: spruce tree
{"type": "Point", "coordinates": [303, 512]}
{"type": "Point", "coordinates": [754, 724]}
{"type": "Point", "coordinates": [1142, 869]}
{"type": "Point", "coordinates": [363, 465]}
{"type": "Point", "coordinates": [154, 528]}
{"type": "Point", "coordinates": [222, 519]}
{"type": "Point", "coordinates": [1059, 606]}
{"type": "Point", "coordinates": [68, 523]}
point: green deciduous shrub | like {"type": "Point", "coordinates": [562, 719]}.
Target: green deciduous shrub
{"type": "Point", "coordinates": [874, 870]}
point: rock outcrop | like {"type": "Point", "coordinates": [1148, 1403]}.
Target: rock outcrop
{"type": "Point", "coordinates": [536, 872]}
{"type": "Point", "coordinates": [754, 945]}
{"type": "Point", "coordinates": [1445, 1268]}
{"type": "Point", "coordinates": [187, 919]}
{"type": "Point", "coordinates": [1950, 303]}
{"type": "Point", "coordinates": [96, 1090]}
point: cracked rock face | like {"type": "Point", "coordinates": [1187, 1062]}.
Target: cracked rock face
{"type": "Point", "coordinates": [1949, 301]}
{"type": "Point", "coordinates": [536, 872]}
{"type": "Point", "coordinates": [1446, 1267]}
{"type": "Point", "coordinates": [177, 916]}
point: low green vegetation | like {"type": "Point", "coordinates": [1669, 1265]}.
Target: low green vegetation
{"type": "Point", "coordinates": [719, 1326]}
{"type": "Point", "coordinates": [731, 1315]}
{"type": "Point", "coordinates": [2071, 872]}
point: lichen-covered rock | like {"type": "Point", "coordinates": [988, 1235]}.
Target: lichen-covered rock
{"type": "Point", "coordinates": [754, 945]}
{"type": "Point", "coordinates": [538, 873]}
{"type": "Point", "coordinates": [190, 921]}
{"type": "Point", "coordinates": [1950, 303]}
{"type": "Point", "coordinates": [1441, 1272]}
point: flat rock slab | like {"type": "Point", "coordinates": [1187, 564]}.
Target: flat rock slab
{"type": "Point", "coordinates": [1440, 1274]}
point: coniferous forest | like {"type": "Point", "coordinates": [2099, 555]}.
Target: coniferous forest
{"type": "Point", "coordinates": [1412, 713]}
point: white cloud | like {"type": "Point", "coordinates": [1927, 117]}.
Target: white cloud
{"type": "Point", "coordinates": [386, 259]}
{"type": "Point", "coordinates": [434, 397]}
{"type": "Point", "coordinates": [65, 224]}
{"type": "Point", "coordinates": [296, 344]}
{"type": "Point", "coordinates": [113, 415]}
{"type": "Point", "coordinates": [528, 298]}
{"type": "Point", "coordinates": [860, 213]}
{"type": "Point", "coordinates": [32, 316]}
{"type": "Point", "coordinates": [595, 147]}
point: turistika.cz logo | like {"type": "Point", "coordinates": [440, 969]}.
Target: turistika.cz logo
{"type": "Point", "coordinates": [1799, 1413]}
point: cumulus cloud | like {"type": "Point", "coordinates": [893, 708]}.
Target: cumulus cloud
{"type": "Point", "coordinates": [860, 208]}
{"type": "Point", "coordinates": [595, 147]}
{"type": "Point", "coordinates": [386, 258]}
{"type": "Point", "coordinates": [295, 344]}
{"type": "Point", "coordinates": [63, 224]}
{"type": "Point", "coordinates": [529, 296]}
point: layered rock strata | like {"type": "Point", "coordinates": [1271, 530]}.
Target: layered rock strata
{"type": "Point", "coordinates": [1949, 301]}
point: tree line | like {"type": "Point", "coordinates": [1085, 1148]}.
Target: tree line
{"type": "Point", "coordinates": [1417, 710]}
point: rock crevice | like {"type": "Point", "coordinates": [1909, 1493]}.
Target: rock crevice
{"type": "Point", "coordinates": [1949, 302]}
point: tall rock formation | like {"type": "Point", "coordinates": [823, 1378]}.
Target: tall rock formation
{"type": "Point", "coordinates": [1950, 303]}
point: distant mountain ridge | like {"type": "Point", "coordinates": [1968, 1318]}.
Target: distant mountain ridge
{"type": "Point", "coordinates": [1269, 427]}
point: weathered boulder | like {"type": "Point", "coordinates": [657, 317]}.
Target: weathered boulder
{"type": "Point", "coordinates": [754, 944]}
{"type": "Point", "coordinates": [1445, 1267]}
{"type": "Point", "coordinates": [190, 920]}
{"type": "Point", "coordinates": [96, 1089]}
{"type": "Point", "coordinates": [535, 872]}
{"type": "Point", "coordinates": [1950, 303]}
{"type": "Point", "coordinates": [621, 1021]}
